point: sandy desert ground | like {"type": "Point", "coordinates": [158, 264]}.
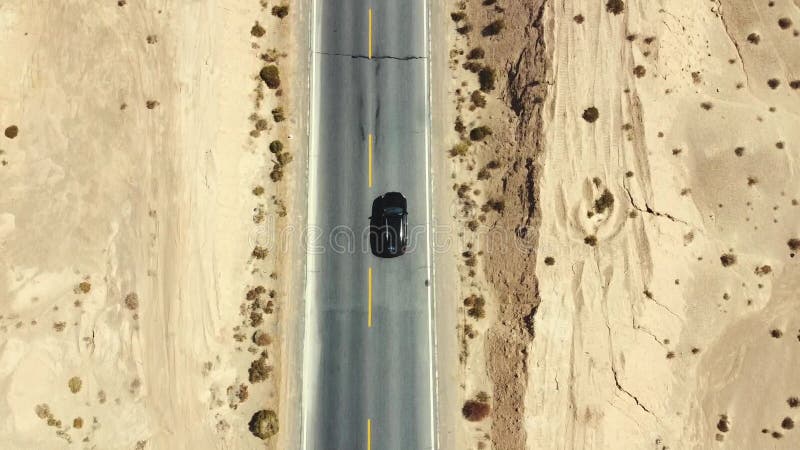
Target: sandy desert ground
{"type": "Point", "coordinates": [139, 298]}
{"type": "Point", "coordinates": [642, 159]}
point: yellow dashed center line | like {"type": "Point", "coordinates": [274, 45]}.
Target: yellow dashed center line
{"type": "Point", "coordinates": [369, 434]}
{"type": "Point", "coordinates": [370, 33]}
{"type": "Point", "coordinates": [369, 295]}
{"type": "Point", "coordinates": [370, 160]}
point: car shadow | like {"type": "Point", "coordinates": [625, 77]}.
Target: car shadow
{"type": "Point", "coordinates": [375, 244]}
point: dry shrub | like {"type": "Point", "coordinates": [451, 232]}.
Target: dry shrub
{"type": "Point", "coordinates": [486, 78]}
{"type": "Point", "coordinates": [469, 259]}
{"type": "Point", "coordinates": [43, 411]}
{"type": "Point", "coordinates": [151, 104]}
{"type": "Point", "coordinates": [753, 38]}
{"type": "Point", "coordinates": [495, 205]}
{"type": "Point", "coordinates": [476, 53]}
{"type": "Point", "coordinates": [460, 149]}
{"type": "Point", "coordinates": [257, 30]}
{"type": "Point", "coordinates": [152, 39]}
{"type": "Point", "coordinates": [494, 28]}
{"type": "Point", "coordinates": [261, 338]}
{"type": "Point", "coordinates": [794, 84]}
{"type": "Point", "coordinates": [459, 125]}
{"type": "Point", "coordinates": [284, 158]}
{"type": "Point", "coordinates": [276, 174]}
{"type": "Point", "coordinates": [639, 71]}
{"type": "Point", "coordinates": [255, 293]}
{"type": "Point", "coordinates": [615, 6]}
{"type": "Point", "coordinates": [464, 29]}
{"type": "Point", "coordinates": [738, 151]}
{"type": "Point", "coordinates": [277, 114]}
{"type": "Point", "coordinates": [258, 190]}
{"type": "Point", "coordinates": [259, 370]}
{"type": "Point", "coordinates": [475, 410]}
{"type": "Point", "coordinates": [793, 402]}
{"type": "Point", "coordinates": [132, 301]}
{"type": "Point", "coordinates": [727, 259]}
{"type": "Point", "coordinates": [549, 260]}
{"type": "Point", "coordinates": [475, 305]}
{"type": "Point", "coordinates": [773, 83]}
{"type": "Point", "coordinates": [280, 11]}
{"type": "Point", "coordinates": [706, 105]}
{"type": "Point", "coordinates": [763, 270]}
{"type": "Point", "coordinates": [784, 23]}
{"type": "Point", "coordinates": [256, 319]}
{"type": "Point", "coordinates": [271, 76]}
{"type": "Point", "coordinates": [77, 423]}
{"type": "Point", "coordinates": [276, 146]}
{"type": "Point", "coordinates": [260, 252]}
{"type": "Point", "coordinates": [83, 287]}
{"type": "Point", "coordinates": [458, 16]}
{"type": "Point", "coordinates": [723, 424]}
{"type": "Point", "coordinates": [590, 240]}
{"type": "Point", "coordinates": [794, 244]}
{"type": "Point", "coordinates": [478, 99]}
{"type": "Point", "coordinates": [472, 66]}
{"type": "Point", "coordinates": [75, 384]}
{"type": "Point", "coordinates": [776, 333]}
{"type": "Point", "coordinates": [606, 201]}
{"type": "Point", "coordinates": [264, 424]}
{"type": "Point", "coordinates": [12, 131]}
{"type": "Point", "coordinates": [787, 423]}
{"type": "Point", "coordinates": [578, 19]}
{"type": "Point", "coordinates": [590, 114]}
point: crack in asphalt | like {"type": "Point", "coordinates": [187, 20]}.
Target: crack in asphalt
{"type": "Point", "coordinates": [398, 58]}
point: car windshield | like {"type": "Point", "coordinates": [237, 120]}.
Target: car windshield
{"type": "Point", "coordinates": [393, 211]}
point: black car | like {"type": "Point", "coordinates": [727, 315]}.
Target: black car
{"type": "Point", "coordinates": [389, 225]}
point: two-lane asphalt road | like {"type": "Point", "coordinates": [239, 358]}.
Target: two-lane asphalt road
{"type": "Point", "coordinates": [368, 364]}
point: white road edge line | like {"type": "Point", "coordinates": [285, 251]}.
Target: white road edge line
{"type": "Point", "coordinates": [311, 218]}
{"type": "Point", "coordinates": [434, 373]}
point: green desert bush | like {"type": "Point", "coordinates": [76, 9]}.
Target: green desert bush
{"type": "Point", "coordinates": [480, 133]}
{"type": "Point", "coordinates": [264, 424]}
{"type": "Point", "coordinates": [460, 149]}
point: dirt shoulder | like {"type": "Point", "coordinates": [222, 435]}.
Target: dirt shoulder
{"type": "Point", "coordinates": [142, 297]}
{"type": "Point", "coordinates": [498, 81]}
{"type": "Point", "coordinates": [629, 217]}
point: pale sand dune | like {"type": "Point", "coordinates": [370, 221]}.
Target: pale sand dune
{"type": "Point", "coordinates": [601, 371]}
{"type": "Point", "coordinates": [102, 189]}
